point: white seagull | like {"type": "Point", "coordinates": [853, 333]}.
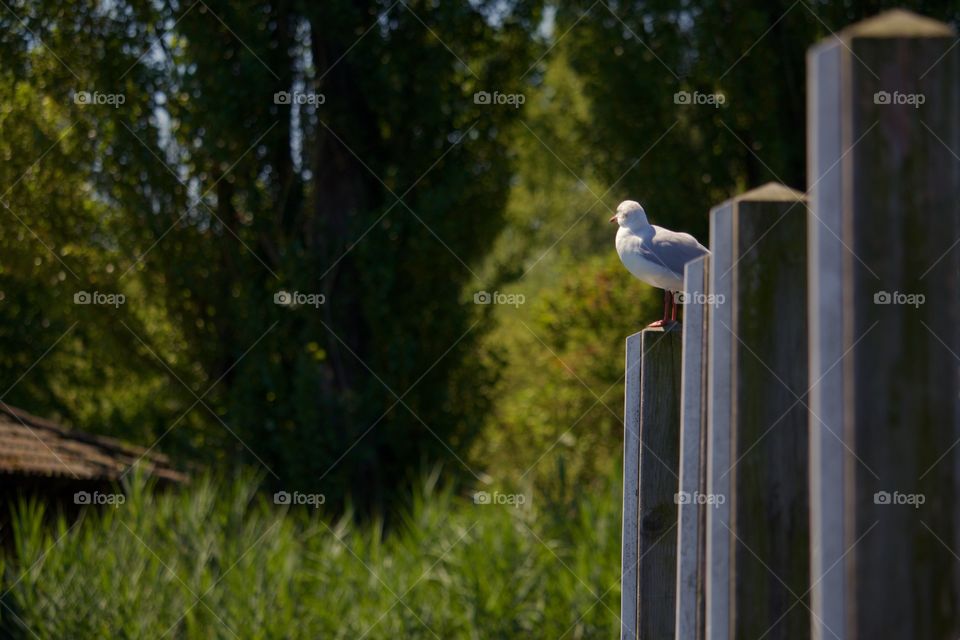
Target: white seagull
{"type": "Point", "coordinates": [654, 254]}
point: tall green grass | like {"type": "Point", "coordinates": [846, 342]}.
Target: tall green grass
{"type": "Point", "coordinates": [219, 560]}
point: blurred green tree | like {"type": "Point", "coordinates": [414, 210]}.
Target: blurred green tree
{"type": "Point", "coordinates": [330, 149]}
{"type": "Point", "coordinates": [336, 149]}
{"type": "Point", "coordinates": [680, 158]}
{"type": "Point", "coordinates": [604, 123]}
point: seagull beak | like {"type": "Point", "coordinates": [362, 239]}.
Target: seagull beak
{"type": "Point", "coordinates": [613, 218]}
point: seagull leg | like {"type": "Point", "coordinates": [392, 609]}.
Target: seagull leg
{"type": "Point", "coordinates": [666, 311]}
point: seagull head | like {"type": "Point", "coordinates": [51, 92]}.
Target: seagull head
{"type": "Point", "coordinates": [630, 214]}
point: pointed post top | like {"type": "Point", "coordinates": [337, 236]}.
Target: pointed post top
{"type": "Point", "coordinates": [769, 192]}
{"type": "Point", "coordinates": [772, 191]}
{"type": "Point", "coordinates": [897, 23]}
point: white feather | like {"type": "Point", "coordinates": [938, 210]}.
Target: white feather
{"type": "Point", "coordinates": [653, 254]}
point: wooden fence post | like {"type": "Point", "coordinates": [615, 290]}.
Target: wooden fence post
{"type": "Point", "coordinates": [757, 496]}
{"type": "Point", "coordinates": [691, 540]}
{"type": "Point", "coordinates": [631, 489]}
{"type": "Point", "coordinates": [650, 543]}
{"type": "Point", "coordinates": [719, 366]}
{"type": "Point", "coordinates": [659, 482]}
{"type": "Point", "coordinates": [884, 134]}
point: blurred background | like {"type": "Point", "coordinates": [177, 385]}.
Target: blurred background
{"type": "Point", "coordinates": [360, 249]}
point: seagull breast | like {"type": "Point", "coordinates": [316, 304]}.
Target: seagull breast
{"type": "Point", "coordinates": [656, 255]}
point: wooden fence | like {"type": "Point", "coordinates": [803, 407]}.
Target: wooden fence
{"type": "Point", "coordinates": [792, 456]}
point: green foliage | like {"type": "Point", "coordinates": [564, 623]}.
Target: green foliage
{"type": "Point", "coordinates": [200, 197]}
{"type": "Point", "coordinates": [633, 57]}
{"type": "Point", "coordinates": [602, 124]}
{"type": "Point", "coordinates": [58, 239]}
{"type": "Point", "coordinates": [558, 417]}
{"type": "Point", "coordinates": [214, 561]}
{"type": "Point", "coordinates": [556, 420]}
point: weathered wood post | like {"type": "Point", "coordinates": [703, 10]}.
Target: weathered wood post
{"type": "Point", "coordinates": [651, 458]}
{"type": "Point", "coordinates": [757, 499]}
{"type": "Point", "coordinates": [719, 364]}
{"type": "Point", "coordinates": [884, 138]}
{"type": "Point", "coordinates": [691, 540]}
{"type": "Point", "coordinates": [631, 489]}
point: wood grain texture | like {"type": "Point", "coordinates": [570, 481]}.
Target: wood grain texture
{"type": "Point", "coordinates": [691, 535]}
{"type": "Point", "coordinates": [720, 355]}
{"type": "Point", "coordinates": [758, 540]}
{"type": "Point", "coordinates": [629, 593]}
{"type": "Point", "coordinates": [659, 483]}
{"type": "Point", "coordinates": [825, 147]}
{"type": "Point", "coordinates": [888, 189]}
{"type": "Point", "coordinates": [769, 488]}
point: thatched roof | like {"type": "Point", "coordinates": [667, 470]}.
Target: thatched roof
{"type": "Point", "coordinates": [32, 446]}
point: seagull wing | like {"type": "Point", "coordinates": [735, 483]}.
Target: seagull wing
{"type": "Point", "coordinates": [671, 249]}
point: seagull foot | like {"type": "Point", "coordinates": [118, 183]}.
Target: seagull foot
{"type": "Point", "coordinates": [666, 325]}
